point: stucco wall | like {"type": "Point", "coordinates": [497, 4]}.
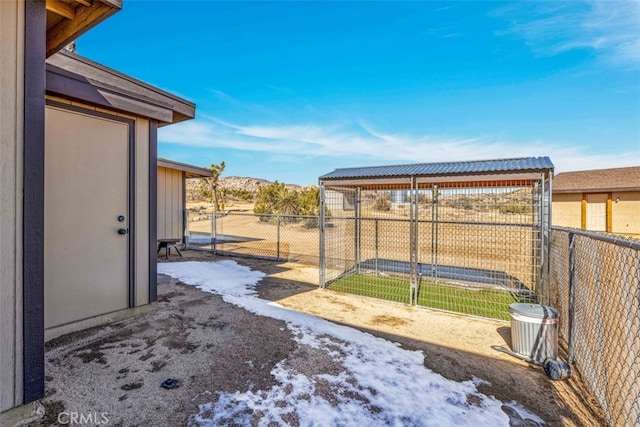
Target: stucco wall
{"type": "Point", "coordinates": [170, 199]}
{"type": "Point", "coordinates": [11, 141]}
{"type": "Point", "coordinates": [626, 213]}
{"type": "Point", "coordinates": [567, 210]}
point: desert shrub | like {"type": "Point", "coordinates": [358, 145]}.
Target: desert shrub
{"type": "Point", "coordinates": [382, 205]}
{"type": "Point", "coordinates": [239, 194]}
{"type": "Point", "coordinates": [277, 199]}
{"type": "Point", "coordinates": [263, 211]}
{"type": "Point", "coordinates": [515, 209]}
{"type": "Point", "coordinates": [311, 222]}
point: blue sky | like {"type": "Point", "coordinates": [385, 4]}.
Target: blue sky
{"type": "Point", "coordinates": [291, 90]}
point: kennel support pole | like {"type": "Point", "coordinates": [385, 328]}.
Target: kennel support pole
{"type": "Point", "coordinates": [547, 229]}
{"type": "Point", "coordinates": [413, 269]}
{"type": "Point", "coordinates": [434, 233]}
{"type": "Point", "coordinates": [322, 236]}
{"type": "Point", "coordinates": [356, 245]}
{"type": "Point", "coordinates": [541, 245]}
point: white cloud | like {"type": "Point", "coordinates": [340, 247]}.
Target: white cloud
{"type": "Point", "coordinates": [610, 28]}
{"type": "Point", "coordinates": [361, 141]}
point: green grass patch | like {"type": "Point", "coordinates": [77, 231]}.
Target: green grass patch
{"type": "Point", "coordinates": [478, 302]}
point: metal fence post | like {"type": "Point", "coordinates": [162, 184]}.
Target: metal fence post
{"type": "Point", "coordinates": [278, 237]}
{"type": "Point", "coordinates": [572, 294]}
{"type": "Point", "coordinates": [214, 236]}
{"type": "Point", "coordinates": [376, 237]}
{"type": "Point", "coordinates": [185, 219]}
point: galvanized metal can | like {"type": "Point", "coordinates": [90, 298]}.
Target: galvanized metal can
{"type": "Point", "coordinates": [534, 331]}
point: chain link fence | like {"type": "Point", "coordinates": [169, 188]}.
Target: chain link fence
{"type": "Point", "coordinates": [279, 237]}
{"type": "Point", "coordinates": [594, 281]}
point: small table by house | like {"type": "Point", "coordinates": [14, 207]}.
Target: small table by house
{"type": "Point", "coordinates": [167, 244]}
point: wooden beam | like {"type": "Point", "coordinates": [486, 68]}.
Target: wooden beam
{"type": "Point", "coordinates": [583, 212]}
{"type": "Point", "coordinates": [83, 2]}
{"type": "Point", "coordinates": [60, 8]}
{"type": "Point", "coordinates": [85, 18]}
{"type": "Point", "coordinates": [609, 213]}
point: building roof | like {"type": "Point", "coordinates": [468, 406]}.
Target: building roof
{"type": "Point", "coordinates": [189, 170]}
{"type": "Point", "coordinates": [448, 169]}
{"type": "Point", "coordinates": [598, 180]}
{"type": "Point", "coordinates": [74, 76]}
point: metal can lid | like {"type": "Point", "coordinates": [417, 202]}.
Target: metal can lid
{"type": "Point", "coordinates": [536, 311]}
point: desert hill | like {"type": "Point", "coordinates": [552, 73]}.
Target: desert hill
{"type": "Point", "coordinates": [237, 187]}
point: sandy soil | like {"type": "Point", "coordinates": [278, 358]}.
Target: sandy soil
{"type": "Point", "coordinates": [204, 342]}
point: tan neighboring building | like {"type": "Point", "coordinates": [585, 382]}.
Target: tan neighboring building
{"type": "Point", "coordinates": [172, 205]}
{"type": "Point", "coordinates": [598, 200]}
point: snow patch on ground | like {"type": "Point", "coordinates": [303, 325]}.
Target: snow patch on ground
{"type": "Point", "coordinates": [378, 383]}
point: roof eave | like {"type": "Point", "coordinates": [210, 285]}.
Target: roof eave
{"type": "Point", "coordinates": [189, 170]}
{"type": "Point", "coordinates": [595, 190]}
{"type": "Point", "coordinates": [71, 75]}
{"type": "Point", "coordinates": [82, 17]}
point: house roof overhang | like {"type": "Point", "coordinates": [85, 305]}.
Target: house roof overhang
{"type": "Point", "coordinates": [73, 76]}
{"type": "Point", "coordinates": [189, 170]}
{"type": "Point", "coordinates": [69, 19]}
{"type": "Point", "coordinates": [598, 180]}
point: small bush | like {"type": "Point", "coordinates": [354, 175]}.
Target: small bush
{"type": "Point", "coordinates": [382, 205]}
{"type": "Point", "coordinates": [311, 222]}
{"type": "Point", "coordinates": [515, 209]}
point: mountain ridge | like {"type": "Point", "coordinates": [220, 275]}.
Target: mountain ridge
{"type": "Point", "coordinates": [197, 188]}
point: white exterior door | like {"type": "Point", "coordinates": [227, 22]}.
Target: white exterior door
{"type": "Point", "coordinates": [597, 212]}
{"type": "Point", "coordinates": [86, 191]}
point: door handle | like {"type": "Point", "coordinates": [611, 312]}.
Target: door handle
{"type": "Point", "coordinates": [122, 231]}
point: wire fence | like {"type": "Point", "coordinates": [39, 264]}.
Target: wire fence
{"type": "Point", "coordinates": [592, 279]}
{"type": "Point", "coordinates": [594, 282]}
{"type": "Point", "coordinates": [278, 237]}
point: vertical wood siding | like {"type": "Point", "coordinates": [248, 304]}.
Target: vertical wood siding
{"type": "Point", "coordinates": [170, 199]}
{"type": "Point", "coordinates": [142, 212]}
{"type": "Point", "coordinates": [11, 139]}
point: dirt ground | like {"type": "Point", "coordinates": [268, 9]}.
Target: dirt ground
{"type": "Point", "coordinates": [205, 343]}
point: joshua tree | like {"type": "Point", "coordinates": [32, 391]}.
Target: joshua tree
{"type": "Point", "coordinates": [213, 184]}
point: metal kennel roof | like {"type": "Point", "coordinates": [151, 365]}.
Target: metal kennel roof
{"type": "Point", "coordinates": [469, 170]}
